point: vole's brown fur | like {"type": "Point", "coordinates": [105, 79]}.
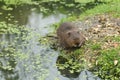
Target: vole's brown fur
{"type": "Point", "coordinates": [70, 36]}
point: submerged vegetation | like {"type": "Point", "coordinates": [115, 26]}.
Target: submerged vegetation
{"type": "Point", "coordinates": [100, 54]}
{"type": "Point", "coordinates": [9, 35]}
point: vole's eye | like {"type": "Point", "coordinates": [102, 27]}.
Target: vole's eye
{"type": "Point", "coordinates": [78, 31]}
{"type": "Point", "coordinates": [69, 33]}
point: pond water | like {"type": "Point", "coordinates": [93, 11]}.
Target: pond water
{"type": "Point", "coordinates": [40, 60]}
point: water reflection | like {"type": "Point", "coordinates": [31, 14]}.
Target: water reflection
{"type": "Point", "coordinates": [39, 60]}
{"type": "Point", "coordinates": [16, 15]}
{"type": "Point", "coordinates": [47, 56]}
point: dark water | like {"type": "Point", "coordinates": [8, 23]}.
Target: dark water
{"type": "Point", "coordinates": [38, 61]}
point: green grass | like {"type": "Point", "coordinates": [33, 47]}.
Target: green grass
{"type": "Point", "coordinates": [16, 1]}
{"type": "Point", "coordinates": [108, 69]}
{"type": "Point", "coordinates": [112, 8]}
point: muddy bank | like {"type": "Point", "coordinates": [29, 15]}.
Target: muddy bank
{"type": "Point", "coordinates": [98, 31]}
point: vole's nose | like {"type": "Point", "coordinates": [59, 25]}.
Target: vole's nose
{"type": "Point", "coordinates": [75, 39]}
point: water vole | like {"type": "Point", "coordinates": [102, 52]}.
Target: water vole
{"type": "Point", "coordinates": [70, 36]}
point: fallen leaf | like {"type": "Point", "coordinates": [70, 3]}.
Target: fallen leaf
{"type": "Point", "coordinates": [115, 62]}
{"type": "Point", "coordinates": [115, 45]}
